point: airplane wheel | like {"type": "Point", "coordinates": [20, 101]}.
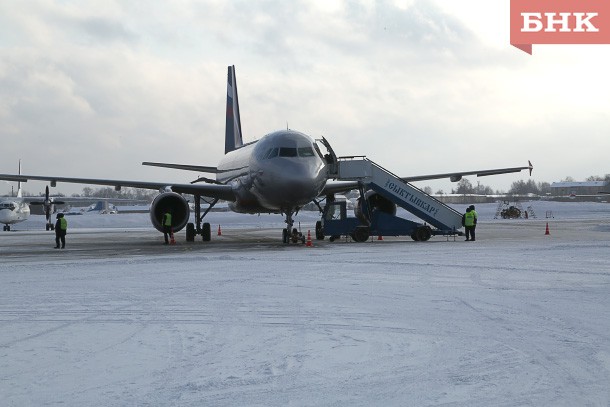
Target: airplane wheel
{"type": "Point", "coordinates": [206, 232]}
{"type": "Point", "coordinates": [285, 236]}
{"type": "Point", "coordinates": [190, 232]}
{"type": "Point", "coordinates": [319, 231]}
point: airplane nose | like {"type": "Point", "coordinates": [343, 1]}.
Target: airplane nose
{"type": "Point", "coordinates": [289, 183]}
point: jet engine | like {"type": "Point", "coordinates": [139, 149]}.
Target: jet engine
{"type": "Point", "coordinates": [175, 204]}
{"type": "Point", "coordinates": [375, 202]}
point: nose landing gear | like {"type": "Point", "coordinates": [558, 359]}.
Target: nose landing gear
{"type": "Point", "coordinates": [290, 233]}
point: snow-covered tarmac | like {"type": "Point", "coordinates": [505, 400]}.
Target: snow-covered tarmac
{"type": "Point", "coordinates": [517, 318]}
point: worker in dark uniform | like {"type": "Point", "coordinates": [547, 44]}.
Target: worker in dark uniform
{"type": "Point", "coordinates": [61, 228]}
{"type": "Point", "coordinates": [167, 225]}
{"type": "Point", "coordinates": [468, 221]}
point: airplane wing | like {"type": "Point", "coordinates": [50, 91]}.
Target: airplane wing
{"type": "Point", "coordinates": [198, 168]}
{"type": "Point", "coordinates": [222, 191]}
{"type": "Point", "coordinates": [456, 176]}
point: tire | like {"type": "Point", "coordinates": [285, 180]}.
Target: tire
{"type": "Point", "coordinates": [206, 232]}
{"type": "Point", "coordinates": [361, 234]}
{"type": "Point", "coordinates": [423, 233]}
{"type": "Point", "coordinates": [319, 231]}
{"type": "Point", "coordinates": [190, 232]}
{"type": "Point", "coordinates": [285, 236]}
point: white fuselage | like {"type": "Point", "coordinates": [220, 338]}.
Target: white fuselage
{"type": "Point", "coordinates": [279, 173]}
{"type": "Point", "coordinates": [13, 210]}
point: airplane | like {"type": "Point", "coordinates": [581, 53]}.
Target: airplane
{"type": "Point", "coordinates": [48, 205]}
{"type": "Point", "coordinates": [278, 173]}
{"type": "Point", "coordinates": [17, 209]}
{"type": "Point", "coordinates": [13, 209]}
{"type": "Point", "coordinates": [102, 207]}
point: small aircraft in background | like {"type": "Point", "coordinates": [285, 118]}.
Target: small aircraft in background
{"type": "Point", "coordinates": [48, 207]}
{"type": "Point", "coordinates": [17, 209]}
{"type": "Point", "coordinates": [13, 209]}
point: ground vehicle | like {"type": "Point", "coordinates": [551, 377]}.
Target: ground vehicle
{"type": "Point", "coordinates": [335, 223]}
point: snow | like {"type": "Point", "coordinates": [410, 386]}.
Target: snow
{"type": "Point", "coordinates": [517, 318]}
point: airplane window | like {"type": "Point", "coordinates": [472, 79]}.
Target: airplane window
{"type": "Point", "coordinates": [288, 152]}
{"type": "Point", "coordinates": [264, 155]}
{"type": "Point", "coordinates": [273, 152]}
{"type": "Point", "coordinates": [9, 206]}
{"type": "Point", "coordinates": [306, 152]}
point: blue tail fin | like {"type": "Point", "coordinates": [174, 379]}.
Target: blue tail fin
{"type": "Point", "coordinates": [233, 137]}
{"type": "Point", "coordinates": [19, 193]}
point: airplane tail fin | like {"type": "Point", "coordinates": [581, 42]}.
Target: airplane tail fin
{"type": "Point", "coordinates": [19, 193]}
{"type": "Point", "coordinates": [233, 139]}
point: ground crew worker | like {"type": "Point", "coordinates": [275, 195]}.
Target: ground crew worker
{"type": "Point", "coordinates": [476, 215]}
{"type": "Point", "coordinates": [476, 219]}
{"type": "Point", "coordinates": [61, 228]}
{"type": "Point", "coordinates": [469, 222]}
{"type": "Point", "coordinates": [167, 225]}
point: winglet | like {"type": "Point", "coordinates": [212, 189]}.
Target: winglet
{"type": "Point", "coordinates": [233, 139]}
{"type": "Point", "coordinates": [531, 167]}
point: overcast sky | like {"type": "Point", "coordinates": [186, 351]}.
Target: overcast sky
{"type": "Point", "coordinates": [93, 88]}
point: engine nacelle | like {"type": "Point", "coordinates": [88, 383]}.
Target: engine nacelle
{"type": "Point", "coordinates": [375, 202]}
{"type": "Point", "coordinates": [173, 202]}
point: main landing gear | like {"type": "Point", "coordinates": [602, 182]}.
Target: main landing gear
{"type": "Point", "coordinates": [6, 228]}
{"type": "Point", "coordinates": [204, 230]}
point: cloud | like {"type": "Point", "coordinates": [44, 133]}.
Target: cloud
{"type": "Point", "coordinates": [101, 86]}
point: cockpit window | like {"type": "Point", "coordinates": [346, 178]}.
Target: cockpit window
{"type": "Point", "coordinates": [270, 153]}
{"type": "Point", "coordinates": [288, 152]}
{"type": "Point", "coordinates": [318, 150]}
{"type": "Point", "coordinates": [306, 152]}
{"type": "Point", "coordinates": [10, 206]}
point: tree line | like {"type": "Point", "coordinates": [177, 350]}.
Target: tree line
{"type": "Point", "coordinates": [520, 187]}
{"type": "Point", "coordinates": [138, 194]}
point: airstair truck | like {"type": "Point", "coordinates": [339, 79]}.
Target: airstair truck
{"type": "Point", "coordinates": [375, 213]}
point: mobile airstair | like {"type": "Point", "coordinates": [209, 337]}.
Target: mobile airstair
{"type": "Point", "coordinates": [372, 176]}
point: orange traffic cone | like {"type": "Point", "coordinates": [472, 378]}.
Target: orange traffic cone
{"type": "Point", "coordinates": [171, 236]}
{"type": "Point", "coordinates": [547, 229]}
{"type": "Point", "coordinates": [219, 232]}
{"type": "Point", "coordinates": [379, 237]}
{"type": "Point", "coordinates": [308, 244]}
